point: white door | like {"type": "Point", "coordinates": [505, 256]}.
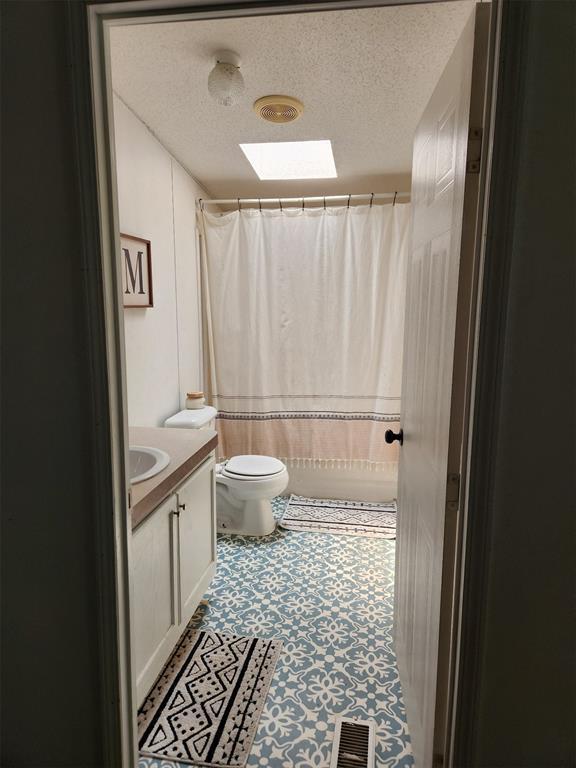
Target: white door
{"type": "Point", "coordinates": [154, 594]}
{"type": "Point", "coordinates": [196, 536]}
{"type": "Point", "coordinates": [435, 380]}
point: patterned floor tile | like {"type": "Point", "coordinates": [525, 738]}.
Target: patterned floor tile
{"type": "Point", "coordinates": [329, 598]}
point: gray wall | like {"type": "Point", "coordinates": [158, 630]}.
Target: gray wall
{"type": "Point", "coordinates": [519, 648]}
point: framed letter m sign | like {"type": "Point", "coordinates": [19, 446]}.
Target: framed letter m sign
{"type": "Point", "coordinates": [136, 264]}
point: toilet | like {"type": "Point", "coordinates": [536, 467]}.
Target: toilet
{"type": "Point", "coordinates": [245, 485]}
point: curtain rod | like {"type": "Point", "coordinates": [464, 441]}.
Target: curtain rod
{"type": "Point", "coordinates": [302, 200]}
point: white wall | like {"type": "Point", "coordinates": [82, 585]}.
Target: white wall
{"type": "Point", "coordinates": [156, 200]}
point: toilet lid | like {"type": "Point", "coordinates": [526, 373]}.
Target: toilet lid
{"type": "Point", "coordinates": [253, 466]}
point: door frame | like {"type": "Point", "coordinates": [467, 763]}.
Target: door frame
{"type": "Point", "coordinates": [89, 25]}
{"type": "Point", "coordinates": [482, 108]}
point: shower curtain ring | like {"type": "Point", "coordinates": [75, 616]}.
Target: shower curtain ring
{"type": "Point", "coordinates": [349, 196]}
{"type": "Point", "coordinates": [394, 201]}
{"type": "Point", "coordinates": [238, 201]}
{"type": "Point", "coordinates": [324, 203]}
{"type": "Point", "coordinates": [260, 204]}
{"type": "Point", "coordinates": [201, 203]}
{"type": "Point", "coordinates": [371, 199]}
{"type": "Point", "coordinates": [280, 203]}
{"type": "Point", "coordinates": [302, 203]}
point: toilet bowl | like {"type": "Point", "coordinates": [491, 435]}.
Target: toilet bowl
{"type": "Point", "coordinates": [245, 485]}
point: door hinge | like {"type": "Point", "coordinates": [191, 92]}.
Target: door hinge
{"type": "Point", "coordinates": [474, 150]}
{"type": "Point", "coordinates": [453, 492]}
{"type": "Point", "coordinates": [129, 499]}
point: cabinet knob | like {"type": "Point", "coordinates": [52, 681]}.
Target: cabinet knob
{"type": "Point", "coordinates": [181, 506]}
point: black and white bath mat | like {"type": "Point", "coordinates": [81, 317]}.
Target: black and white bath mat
{"type": "Point", "coordinates": [205, 706]}
{"type": "Point", "coordinates": [355, 518]}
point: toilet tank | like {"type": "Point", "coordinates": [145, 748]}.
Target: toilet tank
{"type": "Point", "coordinates": [193, 418]}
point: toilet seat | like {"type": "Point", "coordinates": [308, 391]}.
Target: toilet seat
{"type": "Point", "coordinates": [252, 467]}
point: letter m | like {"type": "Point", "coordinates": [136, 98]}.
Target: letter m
{"type": "Point", "coordinates": [133, 274]}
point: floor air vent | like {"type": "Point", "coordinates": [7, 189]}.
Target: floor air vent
{"type": "Point", "coordinates": [353, 744]}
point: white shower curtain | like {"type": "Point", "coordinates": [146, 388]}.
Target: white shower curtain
{"type": "Point", "coordinates": [304, 317]}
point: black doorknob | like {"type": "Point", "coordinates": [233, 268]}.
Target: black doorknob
{"type": "Point", "coordinates": [390, 436]}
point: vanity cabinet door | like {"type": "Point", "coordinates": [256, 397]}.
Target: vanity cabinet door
{"type": "Point", "coordinates": [154, 593]}
{"type": "Point", "coordinates": [197, 536]}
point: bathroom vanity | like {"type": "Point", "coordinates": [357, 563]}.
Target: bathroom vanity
{"type": "Point", "coordinates": [173, 544]}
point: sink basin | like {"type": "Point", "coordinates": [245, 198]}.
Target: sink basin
{"type": "Point", "coordinates": [145, 462]}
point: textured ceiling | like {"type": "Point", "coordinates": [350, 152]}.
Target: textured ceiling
{"type": "Point", "coordinates": [364, 77]}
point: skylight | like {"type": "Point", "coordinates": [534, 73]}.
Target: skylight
{"type": "Point", "coordinates": [276, 160]}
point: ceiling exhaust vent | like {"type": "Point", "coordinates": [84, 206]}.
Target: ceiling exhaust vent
{"type": "Point", "coordinates": [279, 109]}
{"type": "Point", "coordinates": [353, 743]}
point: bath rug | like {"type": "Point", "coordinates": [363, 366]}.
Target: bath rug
{"type": "Point", "coordinates": [205, 706]}
{"type": "Point", "coordinates": [354, 518]}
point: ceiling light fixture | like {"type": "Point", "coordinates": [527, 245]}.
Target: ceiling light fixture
{"type": "Point", "coordinates": [225, 83]}
{"type": "Point", "coordinates": [275, 160]}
